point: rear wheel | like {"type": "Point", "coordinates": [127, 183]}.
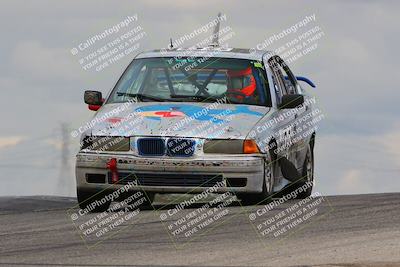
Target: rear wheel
{"type": "Point", "coordinates": [268, 184]}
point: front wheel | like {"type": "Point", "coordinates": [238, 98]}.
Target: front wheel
{"type": "Point", "coordinates": [268, 185]}
{"type": "Point", "coordinates": [307, 180]}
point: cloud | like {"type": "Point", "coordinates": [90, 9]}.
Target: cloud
{"type": "Point", "coordinates": [40, 63]}
{"type": "Point", "coordinates": [353, 181]}
{"type": "Point", "coordinates": [56, 143]}
{"type": "Point", "coordinates": [10, 141]}
{"type": "Point", "coordinates": [391, 142]}
{"type": "Point", "coordinates": [354, 163]}
{"type": "Point", "coordinates": [176, 4]}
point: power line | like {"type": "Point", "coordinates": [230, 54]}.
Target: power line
{"type": "Point", "coordinates": [65, 179]}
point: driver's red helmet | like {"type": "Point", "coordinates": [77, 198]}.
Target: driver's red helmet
{"type": "Point", "coordinates": [241, 81]}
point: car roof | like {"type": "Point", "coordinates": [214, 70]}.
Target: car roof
{"type": "Point", "coordinates": [240, 53]}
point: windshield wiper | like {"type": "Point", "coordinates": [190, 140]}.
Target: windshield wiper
{"type": "Point", "coordinates": [209, 98]}
{"type": "Point", "coordinates": [196, 97]}
{"type": "Point", "coordinates": [141, 96]}
{"type": "Point", "coordinates": [232, 101]}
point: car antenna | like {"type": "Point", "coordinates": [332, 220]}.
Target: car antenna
{"type": "Point", "coordinates": [170, 43]}
{"type": "Point", "coordinates": [215, 36]}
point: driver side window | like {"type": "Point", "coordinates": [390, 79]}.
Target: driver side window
{"type": "Point", "coordinates": [277, 88]}
{"type": "Point", "coordinates": [287, 77]}
{"type": "Point", "coordinates": [277, 79]}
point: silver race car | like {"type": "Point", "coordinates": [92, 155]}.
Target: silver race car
{"type": "Point", "coordinates": [186, 120]}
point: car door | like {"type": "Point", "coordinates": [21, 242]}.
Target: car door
{"type": "Point", "coordinates": [286, 128]}
{"type": "Point", "coordinates": [298, 146]}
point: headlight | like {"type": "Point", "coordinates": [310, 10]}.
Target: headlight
{"type": "Point", "coordinates": [230, 146]}
{"type": "Point", "coordinates": [105, 143]}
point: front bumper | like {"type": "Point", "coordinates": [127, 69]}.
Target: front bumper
{"type": "Point", "coordinates": [229, 168]}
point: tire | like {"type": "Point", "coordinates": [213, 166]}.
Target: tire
{"type": "Point", "coordinates": [267, 190]}
{"type": "Point", "coordinates": [86, 198]}
{"type": "Point", "coordinates": [307, 175]}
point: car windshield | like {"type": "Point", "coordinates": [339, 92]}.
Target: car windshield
{"type": "Point", "coordinates": [194, 79]}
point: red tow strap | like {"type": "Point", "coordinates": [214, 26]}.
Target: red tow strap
{"type": "Point", "coordinates": [112, 166]}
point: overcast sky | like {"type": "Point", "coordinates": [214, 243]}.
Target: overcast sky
{"type": "Point", "coordinates": [355, 67]}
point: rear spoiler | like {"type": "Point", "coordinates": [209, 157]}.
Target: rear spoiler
{"type": "Point", "coordinates": [306, 80]}
{"type": "Point", "coordinates": [303, 79]}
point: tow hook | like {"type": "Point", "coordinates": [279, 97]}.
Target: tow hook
{"type": "Point", "coordinates": [112, 166]}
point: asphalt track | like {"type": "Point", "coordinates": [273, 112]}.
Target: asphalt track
{"type": "Point", "coordinates": [357, 230]}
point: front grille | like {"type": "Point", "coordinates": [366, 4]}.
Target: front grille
{"type": "Point", "coordinates": [178, 147]}
{"type": "Point", "coordinates": [174, 147]}
{"type": "Point", "coordinates": [165, 179]}
{"type": "Point", "coordinates": [151, 146]}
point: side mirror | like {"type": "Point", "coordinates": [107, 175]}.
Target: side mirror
{"type": "Point", "coordinates": [291, 101]}
{"type": "Point", "coordinates": [93, 99]}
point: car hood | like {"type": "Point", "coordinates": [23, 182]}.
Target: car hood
{"type": "Point", "coordinates": [199, 120]}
